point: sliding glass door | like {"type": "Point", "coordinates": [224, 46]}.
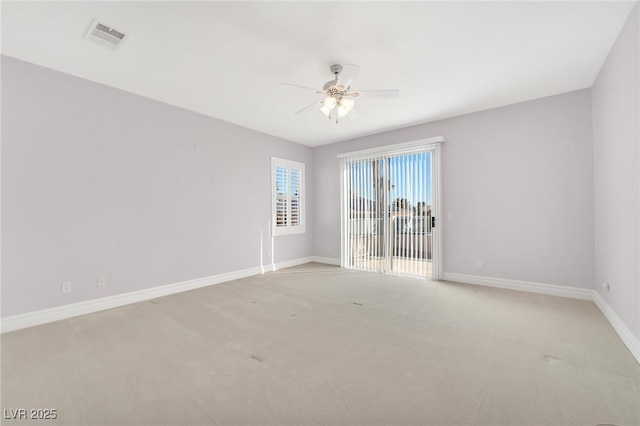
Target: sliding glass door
{"type": "Point", "coordinates": [388, 210]}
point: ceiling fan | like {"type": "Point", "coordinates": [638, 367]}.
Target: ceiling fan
{"type": "Point", "coordinates": [337, 97]}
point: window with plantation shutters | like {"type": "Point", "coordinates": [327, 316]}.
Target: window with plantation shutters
{"type": "Point", "coordinates": [287, 189]}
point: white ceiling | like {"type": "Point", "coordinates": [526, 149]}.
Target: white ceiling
{"type": "Point", "coordinates": [226, 59]}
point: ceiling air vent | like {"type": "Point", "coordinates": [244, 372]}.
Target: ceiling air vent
{"type": "Point", "coordinates": [105, 35]}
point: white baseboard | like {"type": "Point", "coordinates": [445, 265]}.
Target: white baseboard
{"type": "Point", "coordinates": [288, 263]}
{"type": "Point", "coordinates": [326, 260]}
{"type": "Point", "coordinates": [631, 342]}
{"type": "Point", "coordinates": [531, 287]}
{"type": "Point", "coordinates": [30, 319]}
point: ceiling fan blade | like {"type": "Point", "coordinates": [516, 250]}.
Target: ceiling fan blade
{"type": "Point", "coordinates": [377, 94]}
{"type": "Point", "coordinates": [298, 89]}
{"type": "Point", "coordinates": [349, 71]}
{"type": "Point", "coordinates": [308, 107]}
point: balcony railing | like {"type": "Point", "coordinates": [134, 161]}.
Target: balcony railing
{"type": "Point", "coordinates": [409, 237]}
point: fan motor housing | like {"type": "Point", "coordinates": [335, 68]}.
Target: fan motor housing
{"type": "Point", "coordinates": [336, 69]}
{"type": "Point", "coordinates": [332, 88]}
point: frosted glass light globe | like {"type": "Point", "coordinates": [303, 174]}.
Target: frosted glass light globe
{"type": "Point", "coordinates": [330, 103]}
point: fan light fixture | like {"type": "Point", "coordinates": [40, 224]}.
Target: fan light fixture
{"type": "Point", "coordinates": [338, 99]}
{"type": "Point", "coordinates": [343, 106]}
{"type": "Point", "coordinates": [330, 103]}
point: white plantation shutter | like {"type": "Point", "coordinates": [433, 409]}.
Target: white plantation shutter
{"type": "Point", "coordinates": [287, 196]}
{"type": "Point", "coordinates": [295, 196]}
{"type": "Point", "coordinates": [282, 187]}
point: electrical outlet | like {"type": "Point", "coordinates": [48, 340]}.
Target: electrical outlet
{"type": "Point", "coordinates": [606, 286]}
{"type": "Point", "coordinates": [479, 263]}
{"type": "Point", "coordinates": [66, 287]}
{"type": "Point", "coordinates": [101, 281]}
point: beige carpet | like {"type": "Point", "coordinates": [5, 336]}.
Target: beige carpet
{"type": "Point", "coordinates": [321, 345]}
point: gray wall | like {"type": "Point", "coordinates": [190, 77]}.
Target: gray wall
{"type": "Point", "coordinates": [616, 137]}
{"type": "Point", "coordinates": [97, 181]}
{"type": "Point", "coordinates": [517, 179]}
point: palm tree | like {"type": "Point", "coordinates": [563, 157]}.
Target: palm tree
{"type": "Point", "coordinates": [401, 205]}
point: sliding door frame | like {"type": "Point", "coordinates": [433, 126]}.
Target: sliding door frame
{"type": "Point", "coordinates": [432, 145]}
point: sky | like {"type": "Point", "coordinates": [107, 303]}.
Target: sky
{"type": "Point", "coordinates": [410, 176]}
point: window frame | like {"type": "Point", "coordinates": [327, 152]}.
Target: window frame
{"type": "Point", "coordinates": [288, 229]}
